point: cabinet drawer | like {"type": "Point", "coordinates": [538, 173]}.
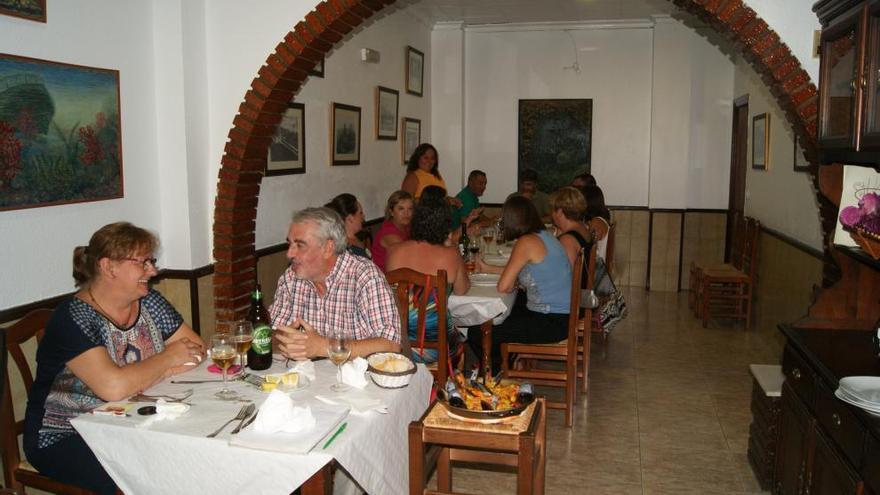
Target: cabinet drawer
{"type": "Point", "coordinates": [841, 425]}
{"type": "Point", "coordinates": [871, 471]}
{"type": "Point", "coordinates": [799, 376]}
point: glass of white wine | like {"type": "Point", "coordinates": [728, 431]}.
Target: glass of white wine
{"type": "Point", "coordinates": [243, 334]}
{"type": "Point", "coordinates": [223, 354]}
{"type": "Point", "coordinates": [338, 350]}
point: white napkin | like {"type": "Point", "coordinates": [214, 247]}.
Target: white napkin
{"type": "Point", "coordinates": [279, 414]}
{"type": "Point", "coordinates": [165, 410]}
{"type": "Point", "coordinates": [353, 373]}
{"type": "Point", "coordinates": [306, 368]}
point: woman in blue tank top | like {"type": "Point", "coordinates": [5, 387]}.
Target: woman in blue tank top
{"type": "Point", "coordinates": [539, 266]}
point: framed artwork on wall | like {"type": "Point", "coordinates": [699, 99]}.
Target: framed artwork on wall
{"type": "Point", "coordinates": [386, 113]}
{"type": "Point", "coordinates": [412, 137]}
{"type": "Point", "coordinates": [33, 10]}
{"type": "Point", "coordinates": [287, 152]}
{"type": "Point", "coordinates": [60, 133]}
{"type": "Point", "coordinates": [415, 71]}
{"type": "Point", "coordinates": [800, 164]}
{"type": "Point", "coordinates": [761, 141]}
{"type": "Point", "coordinates": [318, 69]}
{"type": "Point", "coordinates": [555, 139]}
{"type": "Point", "coordinates": [345, 135]}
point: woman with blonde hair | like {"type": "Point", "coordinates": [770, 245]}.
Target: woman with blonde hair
{"type": "Point", "coordinates": [114, 338]}
{"type": "Point", "coordinates": [395, 228]}
{"type": "Point", "coordinates": [567, 207]}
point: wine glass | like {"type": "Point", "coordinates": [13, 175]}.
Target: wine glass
{"type": "Point", "coordinates": [488, 235]}
{"type": "Point", "coordinates": [243, 334]}
{"type": "Point", "coordinates": [223, 354]}
{"type": "Point", "coordinates": [338, 350]}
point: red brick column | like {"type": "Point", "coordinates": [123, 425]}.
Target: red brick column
{"type": "Point", "coordinates": [285, 70]}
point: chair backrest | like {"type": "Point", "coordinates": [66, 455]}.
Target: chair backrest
{"type": "Point", "coordinates": [737, 243]}
{"type": "Point", "coordinates": [408, 285]}
{"type": "Point", "coordinates": [577, 272]}
{"type": "Point", "coordinates": [33, 325]}
{"type": "Point", "coordinates": [609, 249]}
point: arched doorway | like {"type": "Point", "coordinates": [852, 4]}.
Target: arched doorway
{"type": "Point", "coordinates": [285, 70]}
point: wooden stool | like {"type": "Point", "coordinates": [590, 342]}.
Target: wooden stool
{"type": "Point", "coordinates": [766, 397]}
{"type": "Point", "coordinates": [437, 438]}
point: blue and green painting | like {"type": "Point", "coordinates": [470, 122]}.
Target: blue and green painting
{"type": "Point", "coordinates": [34, 10]}
{"type": "Point", "coordinates": [60, 136]}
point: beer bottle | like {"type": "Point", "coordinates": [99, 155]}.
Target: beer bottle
{"type": "Point", "coordinates": [260, 353]}
{"type": "Point", "coordinates": [464, 242]}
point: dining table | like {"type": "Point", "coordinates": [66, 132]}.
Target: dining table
{"type": "Point", "coordinates": [174, 456]}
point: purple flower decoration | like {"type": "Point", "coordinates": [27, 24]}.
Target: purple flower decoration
{"type": "Point", "coordinates": [850, 216]}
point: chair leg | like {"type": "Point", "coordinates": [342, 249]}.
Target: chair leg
{"type": "Point", "coordinates": [416, 459]}
{"type": "Point", "coordinates": [585, 362]}
{"type": "Point", "coordinates": [704, 306]}
{"type": "Point", "coordinates": [444, 471]}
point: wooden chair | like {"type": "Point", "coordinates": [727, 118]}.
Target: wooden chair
{"type": "Point", "coordinates": [523, 448]}
{"type": "Point", "coordinates": [406, 281]}
{"type": "Point", "coordinates": [727, 292]}
{"type": "Point", "coordinates": [565, 352]}
{"type": "Point", "coordinates": [584, 339]}
{"type": "Point", "coordinates": [734, 262]}
{"type": "Point", "coordinates": [17, 472]}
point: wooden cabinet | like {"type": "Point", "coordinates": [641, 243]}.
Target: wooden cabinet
{"type": "Point", "coordinates": [795, 425]}
{"type": "Point", "coordinates": [849, 81]}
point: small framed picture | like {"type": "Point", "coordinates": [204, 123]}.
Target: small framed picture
{"type": "Point", "coordinates": [386, 113]}
{"type": "Point", "coordinates": [287, 153]}
{"type": "Point", "coordinates": [412, 137]}
{"type": "Point", "coordinates": [32, 10]}
{"type": "Point", "coordinates": [415, 71]}
{"type": "Point", "coordinates": [345, 138]}
{"type": "Point", "coordinates": [761, 141]}
{"type": "Point", "coordinates": [318, 69]}
{"type": "Point", "coordinates": [800, 164]}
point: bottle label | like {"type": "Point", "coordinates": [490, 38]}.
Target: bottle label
{"type": "Point", "coordinates": [262, 343]}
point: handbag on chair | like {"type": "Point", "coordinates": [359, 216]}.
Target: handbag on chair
{"type": "Point", "coordinates": [613, 308]}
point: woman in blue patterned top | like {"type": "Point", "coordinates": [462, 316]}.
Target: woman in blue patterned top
{"type": "Point", "coordinates": [539, 265]}
{"type": "Point", "coordinates": [114, 338]}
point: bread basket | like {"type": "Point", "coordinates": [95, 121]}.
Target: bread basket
{"type": "Point", "coordinates": [389, 379]}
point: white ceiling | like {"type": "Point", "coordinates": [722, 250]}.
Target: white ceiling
{"type": "Point", "coordinates": [477, 12]}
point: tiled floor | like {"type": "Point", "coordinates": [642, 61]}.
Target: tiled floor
{"type": "Point", "coordinates": [667, 411]}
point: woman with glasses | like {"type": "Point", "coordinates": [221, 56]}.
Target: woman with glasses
{"type": "Point", "coordinates": [114, 338]}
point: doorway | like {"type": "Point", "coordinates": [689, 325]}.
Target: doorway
{"type": "Point", "coordinates": [738, 163]}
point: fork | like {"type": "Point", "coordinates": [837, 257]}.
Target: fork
{"type": "Point", "coordinates": [168, 398]}
{"type": "Point", "coordinates": [242, 414]}
{"type": "Point", "coordinates": [251, 414]}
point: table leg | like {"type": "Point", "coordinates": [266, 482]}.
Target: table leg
{"type": "Point", "coordinates": [486, 333]}
{"type": "Point", "coordinates": [321, 483]}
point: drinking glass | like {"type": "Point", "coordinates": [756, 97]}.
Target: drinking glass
{"type": "Point", "coordinates": [243, 334]}
{"type": "Point", "coordinates": [338, 350]}
{"type": "Point", "coordinates": [488, 235]}
{"type": "Point", "coordinates": [223, 354]}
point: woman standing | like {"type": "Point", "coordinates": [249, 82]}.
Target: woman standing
{"type": "Point", "coordinates": [395, 228]}
{"type": "Point", "coordinates": [352, 213]}
{"type": "Point", "coordinates": [112, 339]}
{"type": "Point", "coordinates": [426, 252]}
{"type": "Point", "coordinates": [538, 264]}
{"type": "Point", "coordinates": [421, 171]}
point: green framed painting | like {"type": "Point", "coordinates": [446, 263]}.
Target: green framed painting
{"type": "Point", "coordinates": [60, 133]}
{"type": "Point", "coordinates": [555, 139]}
{"type": "Point", "coordinates": [33, 10]}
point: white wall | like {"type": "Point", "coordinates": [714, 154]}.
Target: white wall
{"type": "Point", "coordinates": [794, 22]}
{"type": "Point", "coordinates": [350, 81]}
{"type": "Point", "coordinates": [37, 244]}
{"type": "Point", "coordinates": [779, 197]}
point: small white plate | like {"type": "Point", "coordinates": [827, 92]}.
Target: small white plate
{"type": "Point", "coordinates": [865, 388]}
{"type": "Point", "coordinates": [487, 279]}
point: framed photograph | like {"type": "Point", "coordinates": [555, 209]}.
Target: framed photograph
{"type": "Point", "coordinates": [412, 137]}
{"type": "Point", "coordinates": [32, 10]}
{"type": "Point", "coordinates": [60, 133]}
{"type": "Point", "coordinates": [318, 69]}
{"type": "Point", "coordinates": [761, 141]}
{"type": "Point", "coordinates": [345, 138]}
{"type": "Point", "coordinates": [386, 113]}
{"type": "Point", "coordinates": [415, 71]}
{"type": "Point", "coordinates": [800, 164]}
{"type": "Point", "coordinates": [555, 139]}
{"type": "Point", "coordinates": [287, 153]}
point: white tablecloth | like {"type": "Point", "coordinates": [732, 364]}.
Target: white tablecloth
{"type": "Point", "coordinates": [480, 304]}
{"type": "Point", "coordinates": [174, 457]}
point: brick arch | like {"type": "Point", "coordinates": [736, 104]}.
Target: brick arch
{"type": "Point", "coordinates": [285, 70]}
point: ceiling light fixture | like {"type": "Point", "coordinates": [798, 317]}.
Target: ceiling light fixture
{"type": "Point", "coordinates": [575, 66]}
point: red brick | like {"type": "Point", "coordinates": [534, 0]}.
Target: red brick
{"type": "Point", "coordinates": [238, 217]}
{"type": "Point", "coordinates": [279, 81]}
{"type": "Point", "coordinates": [785, 68]}
{"type": "Point", "coordinates": [228, 292]}
{"type": "Point", "coordinates": [270, 93]}
{"type": "Point", "coordinates": [776, 56]}
{"type": "Point", "coordinates": [313, 21]}
{"type": "Point", "coordinates": [234, 164]}
{"type": "Point", "coordinates": [808, 110]}
{"type": "Point", "coordinates": [795, 81]}
{"type": "Point", "coordinates": [294, 45]}
{"type": "Point", "coordinates": [376, 5]}
{"type": "Point", "coordinates": [244, 190]}
{"type": "Point", "coordinates": [738, 23]}
{"type": "Point", "coordinates": [812, 127]}
{"type": "Point", "coordinates": [310, 39]}
{"type": "Point", "coordinates": [264, 118]}
{"type": "Point", "coordinates": [236, 266]}
{"type": "Point", "coordinates": [712, 6]}
{"type": "Point", "coordinates": [225, 237]}
{"type": "Point", "coordinates": [237, 176]}
{"type": "Point", "coordinates": [346, 14]}
{"type": "Point", "coordinates": [227, 203]}
{"type": "Point", "coordinates": [802, 95]}
{"type": "Point", "coordinates": [255, 146]}
{"type": "Point", "coordinates": [332, 19]}
{"type": "Point", "coordinates": [234, 151]}
{"type": "Point", "coordinates": [233, 252]}
{"type": "Point", "coordinates": [357, 7]}
{"type": "Point", "coordinates": [753, 32]}
{"type": "Point", "coordinates": [766, 43]}
{"type": "Point", "coordinates": [257, 101]}
{"type": "Point", "coordinates": [252, 127]}
{"type": "Point", "coordinates": [730, 10]}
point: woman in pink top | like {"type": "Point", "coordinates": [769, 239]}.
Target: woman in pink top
{"type": "Point", "coordinates": [395, 228]}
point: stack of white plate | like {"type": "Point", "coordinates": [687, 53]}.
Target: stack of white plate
{"type": "Point", "coordinates": [860, 391]}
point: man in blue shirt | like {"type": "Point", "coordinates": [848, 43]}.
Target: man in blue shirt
{"type": "Point", "coordinates": [470, 199]}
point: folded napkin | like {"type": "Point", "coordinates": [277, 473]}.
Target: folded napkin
{"type": "Point", "coordinates": [165, 411]}
{"type": "Point", "coordinates": [306, 368]}
{"type": "Point", "coordinates": [327, 418]}
{"type": "Point", "coordinates": [278, 414]}
{"type": "Point", "coordinates": [353, 373]}
{"type": "Point", "coordinates": [358, 402]}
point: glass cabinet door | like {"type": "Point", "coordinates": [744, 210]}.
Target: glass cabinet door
{"type": "Point", "coordinates": [839, 72]}
{"type": "Point", "coordinates": [871, 127]}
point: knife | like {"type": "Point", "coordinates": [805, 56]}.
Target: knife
{"type": "Point", "coordinates": [196, 381]}
{"type": "Point", "coordinates": [246, 423]}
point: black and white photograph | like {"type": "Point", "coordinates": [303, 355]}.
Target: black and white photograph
{"type": "Point", "coordinates": [345, 135]}
{"type": "Point", "coordinates": [287, 153]}
{"type": "Point", "coordinates": [415, 71]}
{"type": "Point", "coordinates": [412, 137]}
{"type": "Point", "coordinates": [387, 103]}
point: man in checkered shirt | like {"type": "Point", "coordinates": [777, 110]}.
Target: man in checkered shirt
{"type": "Point", "coordinates": [328, 292]}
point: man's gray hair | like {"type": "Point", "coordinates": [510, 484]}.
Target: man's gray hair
{"type": "Point", "coordinates": [329, 223]}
